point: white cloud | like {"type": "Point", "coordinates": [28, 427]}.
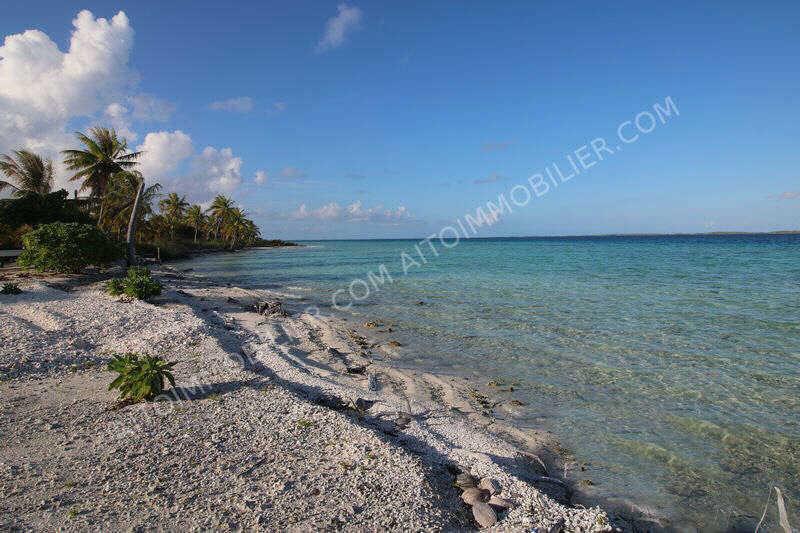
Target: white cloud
{"type": "Point", "coordinates": [43, 88]}
{"type": "Point", "coordinates": [149, 108]}
{"type": "Point", "coordinates": [205, 174]}
{"type": "Point", "coordinates": [293, 173]}
{"type": "Point", "coordinates": [354, 212]}
{"type": "Point", "coordinates": [337, 28]}
{"type": "Point", "coordinates": [261, 177]}
{"type": "Point", "coordinates": [163, 153]}
{"type": "Point", "coordinates": [117, 116]}
{"type": "Point", "coordinates": [279, 107]}
{"type": "Point", "coordinates": [217, 170]}
{"type": "Point", "coordinates": [240, 104]}
{"type": "Point", "coordinates": [789, 195]}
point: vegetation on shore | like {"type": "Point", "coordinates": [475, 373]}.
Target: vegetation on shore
{"type": "Point", "coordinates": [138, 283]}
{"type": "Point", "coordinates": [119, 204]}
{"type": "Point", "coordinates": [141, 377]}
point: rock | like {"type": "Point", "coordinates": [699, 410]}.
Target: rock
{"type": "Point", "coordinates": [420, 302]}
{"type": "Point", "coordinates": [394, 344]}
{"type": "Point", "coordinates": [499, 503]}
{"type": "Point", "coordinates": [372, 382]}
{"type": "Point", "coordinates": [359, 369]}
{"type": "Point", "coordinates": [370, 324]}
{"type": "Point", "coordinates": [484, 514]}
{"type": "Point", "coordinates": [402, 420]}
{"type": "Point", "coordinates": [232, 300]}
{"type": "Point", "coordinates": [465, 481]}
{"type": "Point", "coordinates": [363, 405]}
{"type": "Point", "coordinates": [270, 308]}
{"type": "Point", "coordinates": [474, 495]}
{"type": "Point", "coordinates": [490, 484]}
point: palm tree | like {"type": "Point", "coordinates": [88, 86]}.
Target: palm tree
{"type": "Point", "coordinates": [195, 219]}
{"type": "Point", "coordinates": [120, 197]}
{"type": "Point", "coordinates": [105, 155]}
{"type": "Point", "coordinates": [173, 207]}
{"type": "Point", "coordinates": [238, 228]}
{"type": "Point", "coordinates": [220, 210]}
{"type": "Point", "coordinates": [32, 174]}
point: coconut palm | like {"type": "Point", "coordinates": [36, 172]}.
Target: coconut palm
{"type": "Point", "coordinates": [31, 173]}
{"type": "Point", "coordinates": [105, 155]}
{"type": "Point", "coordinates": [120, 197]}
{"type": "Point", "coordinates": [195, 219]}
{"type": "Point", "coordinates": [173, 207]}
{"type": "Point", "coordinates": [238, 229]}
{"type": "Point", "coordinates": [220, 210]}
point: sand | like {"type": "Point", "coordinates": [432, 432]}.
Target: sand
{"type": "Point", "coordinates": [266, 428]}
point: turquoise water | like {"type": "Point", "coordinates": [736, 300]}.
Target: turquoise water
{"type": "Point", "coordinates": [670, 364]}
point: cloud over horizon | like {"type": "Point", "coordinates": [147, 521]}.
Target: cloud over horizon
{"type": "Point", "coordinates": [354, 212]}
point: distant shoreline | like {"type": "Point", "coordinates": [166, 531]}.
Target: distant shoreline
{"type": "Point", "coordinates": [577, 236]}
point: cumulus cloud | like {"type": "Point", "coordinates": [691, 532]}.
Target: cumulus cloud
{"type": "Point", "coordinates": [217, 170]}
{"type": "Point", "coordinates": [338, 27]}
{"type": "Point", "coordinates": [163, 152]}
{"type": "Point", "coordinates": [261, 177]}
{"type": "Point", "coordinates": [117, 116]}
{"type": "Point", "coordinates": [43, 88]}
{"type": "Point", "coordinates": [240, 104]}
{"type": "Point", "coordinates": [354, 212]}
{"type": "Point", "coordinates": [203, 175]}
{"type": "Point", "coordinates": [293, 173]}
{"type": "Point", "coordinates": [279, 107]}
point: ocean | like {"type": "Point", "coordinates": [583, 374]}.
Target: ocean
{"type": "Point", "coordinates": [668, 365]}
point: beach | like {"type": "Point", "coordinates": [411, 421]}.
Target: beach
{"type": "Point", "coordinates": [292, 422]}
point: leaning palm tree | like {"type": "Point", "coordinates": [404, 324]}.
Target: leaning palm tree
{"type": "Point", "coordinates": [105, 155]}
{"type": "Point", "coordinates": [195, 219]}
{"type": "Point", "coordinates": [120, 197]}
{"type": "Point", "coordinates": [32, 174]}
{"type": "Point", "coordinates": [220, 210]}
{"type": "Point", "coordinates": [173, 207]}
{"type": "Point", "coordinates": [236, 226]}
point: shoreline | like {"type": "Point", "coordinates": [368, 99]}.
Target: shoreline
{"type": "Point", "coordinates": [328, 363]}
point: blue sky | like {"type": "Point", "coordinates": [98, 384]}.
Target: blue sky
{"type": "Point", "coordinates": [376, 119]}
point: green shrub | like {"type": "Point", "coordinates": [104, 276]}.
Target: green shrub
{"type": "Point", "coordinates": [115, 287]}
{"type": "Point", "coordinates": [10, 288]}
{"type": "Point", "coordinates": [140, 377]}
{"type": "Point", "coordinates": [137, 284]}
{"type": "Point", "coordinates": [67, 247]}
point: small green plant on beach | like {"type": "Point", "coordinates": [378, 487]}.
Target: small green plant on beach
{"type": "Point", "coordinates": [138, 283]}
{"type": "Point", "coordinates": [141, 377]}
{"type": "Point", "coordinates": [10, 288]}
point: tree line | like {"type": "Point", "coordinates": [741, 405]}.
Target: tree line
{"type": "Point", "coordinates": [119, 200]}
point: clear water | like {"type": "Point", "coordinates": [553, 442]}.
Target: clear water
{"type": "Point", "coordinates": [670, 364]}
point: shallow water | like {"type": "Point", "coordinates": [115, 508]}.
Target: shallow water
{"type": "Point", "coordinates": [670, 364]}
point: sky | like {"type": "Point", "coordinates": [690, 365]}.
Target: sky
{"type": "Point", "coordinates": [394, 119]}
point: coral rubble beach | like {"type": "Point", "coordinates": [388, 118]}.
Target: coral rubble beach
{"type": "Point", "coordinates": [276, 422]}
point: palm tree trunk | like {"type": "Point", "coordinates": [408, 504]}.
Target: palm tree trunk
{"type": "Point", "coordinates": [195, 234]}
{"type": "Point", "coordinates": [131, 237]}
